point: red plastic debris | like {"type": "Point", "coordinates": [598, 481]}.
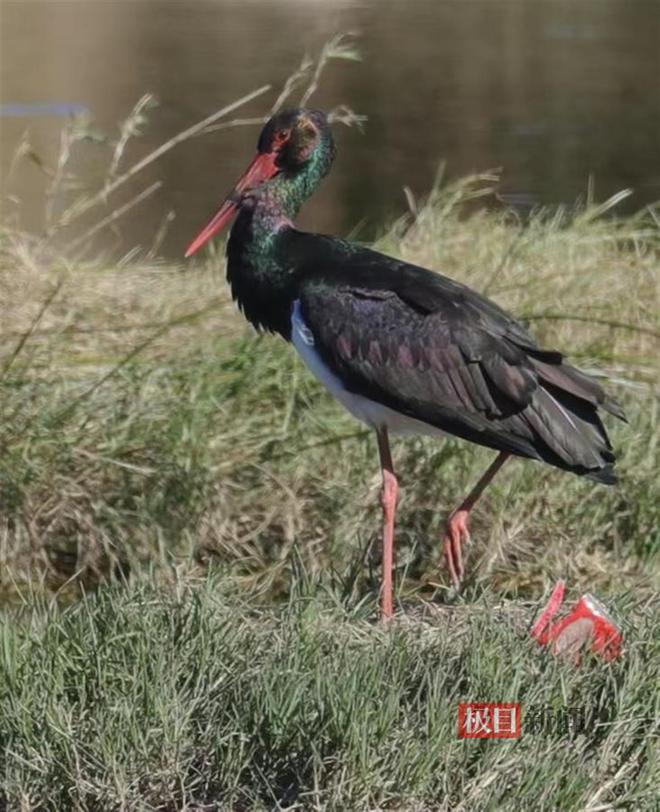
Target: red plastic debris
{"type": "Point", "coordinates": [587, 624]}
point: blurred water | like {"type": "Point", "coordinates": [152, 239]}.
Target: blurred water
{"type": "Point", "coordinates": [550, 90]}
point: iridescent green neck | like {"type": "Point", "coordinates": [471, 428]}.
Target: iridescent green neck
{"type": "Point", "coordinates": [286, 193]}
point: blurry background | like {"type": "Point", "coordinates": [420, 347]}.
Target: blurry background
{"type": "Point", "coordinates": [550, 91]}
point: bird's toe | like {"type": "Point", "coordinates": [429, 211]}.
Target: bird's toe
{"type": "Point", "coordinates": [456, 535]}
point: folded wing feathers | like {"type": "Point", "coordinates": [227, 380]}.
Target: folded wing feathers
{"type": "Point", "coordinates": [512, 394]}
{"type": "Point", "coordinates": [577, 383]}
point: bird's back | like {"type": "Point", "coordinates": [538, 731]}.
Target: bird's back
{"type": "Point", "coordinates": [436, 351]}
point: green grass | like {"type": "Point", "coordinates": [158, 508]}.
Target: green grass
{"type": "Point", "coordinates": [190, 698]}
{"type": "Point", "coordinates": [148, 437]}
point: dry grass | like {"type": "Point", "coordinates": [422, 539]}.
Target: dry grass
{"type": "Point", "coordinates": [143, 421]}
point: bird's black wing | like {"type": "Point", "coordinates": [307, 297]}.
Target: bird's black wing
{"type": "Point", "coordinates": [432, 349]}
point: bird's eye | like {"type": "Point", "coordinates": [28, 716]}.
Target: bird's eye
{"type": "Point", "coordinates": [281, 137]}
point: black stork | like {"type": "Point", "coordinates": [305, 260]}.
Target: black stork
{"type": "Point", "coordinates": [401, 347]}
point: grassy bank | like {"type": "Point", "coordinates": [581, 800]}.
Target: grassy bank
{"type": "Point", "coordinates": [148, 436]}
{"type": "Point", "coordinates": [144, 423]}
{"type": "Point", "coordinates": [188, 698]}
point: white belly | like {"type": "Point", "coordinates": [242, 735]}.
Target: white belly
{"type": "Point", "coordinates": [368, 411]}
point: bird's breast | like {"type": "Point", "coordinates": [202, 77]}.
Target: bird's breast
{"type": "Point", "coordinates": [259, 275]}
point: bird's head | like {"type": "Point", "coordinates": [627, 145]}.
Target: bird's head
{"type": "Point", "coordinates": [290, 142]}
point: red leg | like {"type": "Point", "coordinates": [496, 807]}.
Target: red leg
{"type": "Point", "coordinates": [457, 532]}
{"type": "Point", "coordinates": [389, 496]}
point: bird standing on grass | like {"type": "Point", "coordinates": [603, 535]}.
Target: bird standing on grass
{"type": "Point", "coordinates": [404, 349]}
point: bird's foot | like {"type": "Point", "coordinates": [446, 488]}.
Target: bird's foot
{"type": "Point", "coordinates": [456, 534]}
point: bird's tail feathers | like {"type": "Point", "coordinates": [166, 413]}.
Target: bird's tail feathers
{"type": "Point", "coordinates": [572, 433]}
{"type": "Point", "coordinates": [570, 380]}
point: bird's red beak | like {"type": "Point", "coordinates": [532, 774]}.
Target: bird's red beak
{"type": "Point", "coordinates": [262, 168]}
